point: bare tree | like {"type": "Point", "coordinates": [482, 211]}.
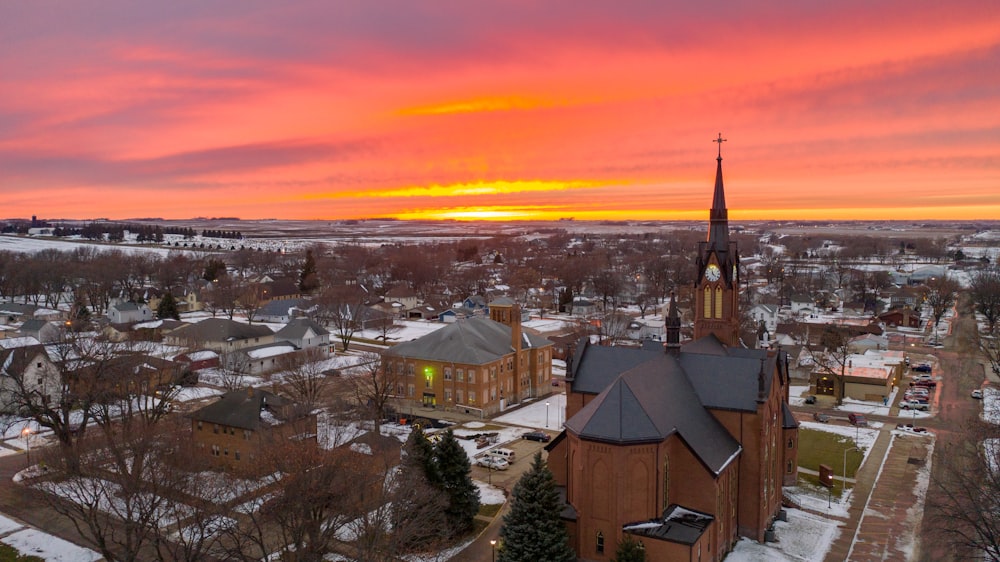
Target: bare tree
{"type": "Point", "coordinates": [341, 308]}
{"type": "Point", "coordinates": [375, 383]}
{"type": "Point", "coordinates": [964, 500]}
{"type": "Point", "coordinates": [940, 295]}
{"type": "Point", "coordinates": [303, 377]}
{"type": "Point", "coordinates": [831, 358]}
{"type": "Point", "coordinates": [985, 295]}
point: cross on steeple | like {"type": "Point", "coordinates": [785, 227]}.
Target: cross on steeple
{"type": "Point", "coordinates": [720, 140]}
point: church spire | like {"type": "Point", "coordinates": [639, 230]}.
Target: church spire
{"type": "Point", "coordinates": [718, 233]}
{"type": "Point", "coordinates": [673, 326]}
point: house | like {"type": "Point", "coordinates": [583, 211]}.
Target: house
{"type": "Point", "coordinates": [402, 295]}
{"type": "Point", "coordinates": [281, 311]}
{"type": "Point", "coordinates": [27, 374]}
{"type": "Point", "coordinates": [258, 359]}
{"type": "Point", "coordinates": [475, 302]}
{"type": "Point", "coordinates": [901, 318]}
{"type": "Point", "coordinates": [647, 329]}
{"type": "Point", "coordinates": [478, 364]}
{"type": "Point", "coordinates": [129, 313]}
{"type": "Point", "coordinates": [12, 312]}
{"type": "Point", "coordinates": [237, 428]}
{"type": "Point", "coordinates": [683, 448]}
{"type": "Point", "coordinates": [187, 300]}
{"type": "Point", "coordinates": [583, 307]}
{"type": "Point", "coordinates": [42, 330]}
{"type": "Point", "coordinates": [454, 314]}
{"type": "Point", "coordinates": [125, 373]}
{"type": "Point", "coordinates": [423, 312]}
{"type": "Point", "coordinates": [279, 289]}
{"type": "Point", "coordinates": [305, 333]}
{"type": "Point", "coordinates": [802, 303]}
{"type": "Point", "coordinates": [220, 334]}
{"type": "Point", "coordinates": [766, 314]}
{"type": "Point", "coordinates": [865, 342]}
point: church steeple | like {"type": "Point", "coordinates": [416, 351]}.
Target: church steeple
{"type": "Point", "coordinates": [718, 232]}
{"type": "Point", "coordinates": [717, 287]}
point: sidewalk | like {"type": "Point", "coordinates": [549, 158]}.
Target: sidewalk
{"type": "Point", "coordinates": [881, 524]}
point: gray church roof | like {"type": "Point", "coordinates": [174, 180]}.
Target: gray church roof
{"type": "Point", "coordinates": [650, 402]}
{"type": "Point", "coordinates": [472, 341]}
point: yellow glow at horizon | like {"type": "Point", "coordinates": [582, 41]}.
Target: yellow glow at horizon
{"type": "Point", "coordinates": [465, 189]}
{"type": "Point", "coordinates": [557, 212]}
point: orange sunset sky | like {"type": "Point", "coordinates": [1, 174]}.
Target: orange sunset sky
{"type": "Point", "coordinates": [318, 109]}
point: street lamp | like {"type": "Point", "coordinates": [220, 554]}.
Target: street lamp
{"type": "Point", "coordinates": [26, 434]}
{"type": "Point", "coordinates": [493, 549]}
{"type": "Point", "coordinates": [546, 414]}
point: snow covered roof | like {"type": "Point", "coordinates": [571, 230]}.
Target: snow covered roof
{"type": "Point", "coordinates": [679, 524]}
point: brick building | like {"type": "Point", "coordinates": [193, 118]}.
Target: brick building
{"type": "Point", "coordinates": [234, 430]}
{"type": "Point", "coordinates": [475, 364]}
{"type": "Point", "coordinates": [685, 448]}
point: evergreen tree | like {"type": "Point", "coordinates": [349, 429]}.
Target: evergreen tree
{"type": "Point", "coordinates": [456, 482]}
{"type": "Point", "coordinates": [420, 457]}
{"type": "Point", "coordinates": [307, 277]}
{"type": "Point", "coordinates": [532, 530]}
{"type": "Point", "coordinates": [630, 550]}
{"type": "Point", "coordinates": [167, 307]}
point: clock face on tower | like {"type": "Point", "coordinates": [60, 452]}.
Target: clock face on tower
{"type": "Point", "coordinates": [712, 272]}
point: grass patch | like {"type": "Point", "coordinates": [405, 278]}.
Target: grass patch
{"type": "Point", "coordinates": [489, 510]}
{"type": "Point", "coordinates": [10, 554]}
{"type": "Point", "coordinates": [478, 526]}
{"type": "Point", "coordinates": [822, 447]}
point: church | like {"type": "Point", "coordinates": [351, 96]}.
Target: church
{"type": "Point", "coordinates": [685, 448]}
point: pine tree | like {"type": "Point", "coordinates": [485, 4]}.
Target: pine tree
{"type": "Point", "coordinates": [167, 307]}
{"type": "Point", "coordinates": [420, 456]}
{"type": "Point", "coordinates": [630, 550]}
{"type": "Point", "coordinates": [307, 277]}
{"type": "Point", "coordinates": [533, 530]}
{"type": "Point", "coordinates": [456, 483]}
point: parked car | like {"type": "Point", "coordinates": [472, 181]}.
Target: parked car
{"type": "Point", "coordinates": [555, 382]}
{"type": "Point", "coordinates": [810, 399]}
{"type": "Point", "coordinates": [858, 419]}
{"type": "Point", "coordinates": [536, 436]}
{"type": "Point", "coordinates": [821, 417]}
{"type": "Point", "coordinates": [492, 462]}
{"type": "Point", "coordinates": [977, 393]}
{"type": "Point", "coordinates": [923, 377]}
{"type": "Point", "coordinates": [928, 383]}
{"type": "Point", "coordinates": [922, 368]}
{"type": "Point", "coordinates": [916, 405]}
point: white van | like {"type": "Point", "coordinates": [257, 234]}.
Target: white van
{"type": "Point", "coordinates": [505, 454]}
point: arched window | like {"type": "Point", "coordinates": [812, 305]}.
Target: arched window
{"type": "Point", "coordinates": [708, 302]}
{"type": "Point", "coordinates": [718, 302]}
{"type": "Point", "coordinates": [600, 542]}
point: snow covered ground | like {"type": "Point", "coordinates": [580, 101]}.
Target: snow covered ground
{"type": "Point", "coordinates": [30, 541]}
{"type": "Point", "coordinates": [537, 415]}
{"type": "Point", "coordinates": [804, 537]}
